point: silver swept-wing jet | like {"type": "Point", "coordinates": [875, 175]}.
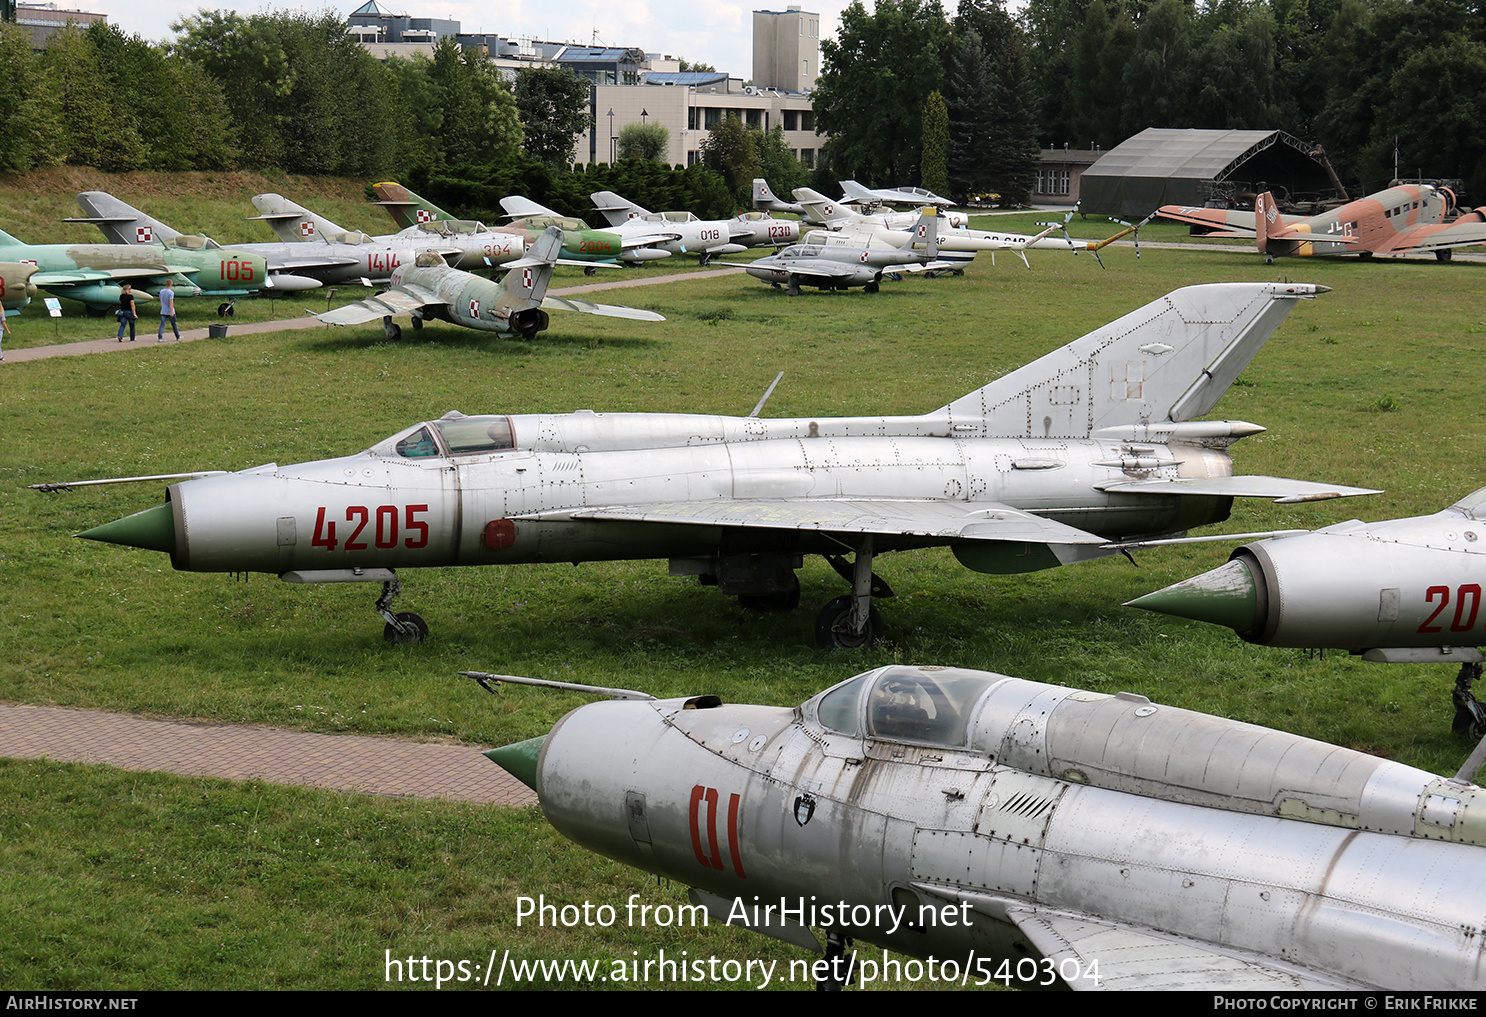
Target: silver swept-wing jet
{"type": "Point", "coordinates": [764, 200]}
{"type": "Point", "coordinates": [516, 306]}
{"type": "Point", "coordinates": [1095, 442]}
{"type": "Point", "coordinates": [832, 263]}
{"type": "Point", "coordinates": [1027, 834]}
{"type": "Point", "coordinates": [1395, 591]}
{"type": "Point", "coordinates": [916, 196]}
{"type": "Point", "coordinates": [704, 237]}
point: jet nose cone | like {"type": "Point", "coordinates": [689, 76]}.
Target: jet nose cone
{"type": "Point", "coordinates": [153, 529]}
{"type": "Point", "coordinates": [1225, 596]}
{"type": "Point", "coordinates": [519, 759]}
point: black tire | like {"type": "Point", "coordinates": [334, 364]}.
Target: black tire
{"type": "Point", "coordinates": [414, 638]}
{"type": "Point", "coordinates": [830, 626]}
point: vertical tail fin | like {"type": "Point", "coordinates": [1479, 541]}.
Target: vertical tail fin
{"type": "Point", "coordinates": [526, 283]}
{"type": "Point", "coordinates": [293, 223]}
{"type": "Point", "coordinates": [763, 198]}
{"type": "Point", "coordinates": [405, 207]}
{"type": "Point", "coordinates": [818, 208]}
{"type": "Point", "coordinates": [926, 231]}
{"type": "Point", "coordinates": [1171, 360]}
{"type": "Point", "coordinates": [616, 209]}
{"type": "Point", "coordinates": [120, 222]}
{"type": "Point", "coordinates": [1266, 216]}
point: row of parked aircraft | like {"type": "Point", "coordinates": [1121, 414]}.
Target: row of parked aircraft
{"type": "Point", "coordinates": [1106, 841]}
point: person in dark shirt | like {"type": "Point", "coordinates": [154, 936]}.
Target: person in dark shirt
{"type": "Point", "coordinates": [126, 313]}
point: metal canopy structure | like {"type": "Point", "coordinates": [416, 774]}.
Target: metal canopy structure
{"type": "Point", "coordinates": [1160, 166]}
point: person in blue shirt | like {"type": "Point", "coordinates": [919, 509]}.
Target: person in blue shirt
{"type": "Point", "coordinates": [167, 313]}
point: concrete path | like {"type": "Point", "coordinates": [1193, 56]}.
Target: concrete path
{"type": "Point", "coordinates": [381, 766]}
{"type": "Point", "coordinates": [146, 341]}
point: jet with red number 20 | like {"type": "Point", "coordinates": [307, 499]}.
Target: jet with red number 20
{"type": "Point", "coordinates": [1397, 591]}
{"type": "Point", "coordinates": [1028, 834]}
{"type": "Point", "coordinates": [1095, 441]}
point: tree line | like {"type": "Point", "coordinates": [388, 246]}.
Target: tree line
{"type": "Point", "coordinates": [1375, 82]}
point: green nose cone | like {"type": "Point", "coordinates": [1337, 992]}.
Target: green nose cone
{"type": "Point", "coordinates": [153, 529]}
{"type": "Point", "coordinates": [519, 759]}
{"type": "Point", "coordinates": [1225, 596]}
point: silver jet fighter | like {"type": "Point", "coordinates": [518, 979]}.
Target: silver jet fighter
{"type": "Point", "coordinates": [1095, 441]}
{"type": "Point", "coordinates": [1397, 591]}
{"type": "Point", "coordinates": [1030, 834]}
{"type": "Point", "coordinates": [837, 263]}
{"type": "Point", "coordinates": [704, 237]}
{"type": "Point", "coordinates": [430, 289]}
{"type": "Point", "coordinates": [915, 196]}
{"type": "Point", "coordinates": [461, 243]}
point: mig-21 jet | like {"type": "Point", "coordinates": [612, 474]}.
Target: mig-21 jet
{"type": "Point", "coordinates": [1396, 591]}
{"type": "Point", "coordinates": [429, 289]}
{"type": "Point", "coordinates": [1400, 220]}
{"type": "Point", "coordinates": [868, 196]}
{"type": "Point", "coordinates": [1025, 834]}
{"type": "Point", "coordinates": [1093, 443]}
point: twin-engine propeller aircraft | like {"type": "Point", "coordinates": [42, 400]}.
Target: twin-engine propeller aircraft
{"type": "Point", "coordinates": [1396, 591]}
{"type": "Point", "coordinates": [431, 290]}
{"type": "Point", "coordinates": [1030, 834]}
{"type": "Point", "coordinates": [1400, 220]}
{"type": "Point", "coordinates": [1094, 442]}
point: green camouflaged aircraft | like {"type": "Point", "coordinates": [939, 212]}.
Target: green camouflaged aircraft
{"type": "Point", "coordinates": [93, 273]}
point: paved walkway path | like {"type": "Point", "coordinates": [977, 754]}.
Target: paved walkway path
{"type": "Point", "coordinates": [144, 341]}
{"type": "Point", "coordinates": [382, 766]}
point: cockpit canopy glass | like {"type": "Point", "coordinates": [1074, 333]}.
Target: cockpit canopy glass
{"type": "Point", "coordinates": [200, 242]}
{"type": "Point", "coordinates": [1473, 504]}
{"type": "Point", "coordinates": [430, 259]}
{"type": "Point", "coordinates": [930, 705]}
{"type": "Point", "coordinates": [458, 436]}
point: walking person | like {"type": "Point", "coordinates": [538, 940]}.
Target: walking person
{"type": "Point", "coordinates": [167, 313]}
{"type": "Point", "coordinates": [127, 313]}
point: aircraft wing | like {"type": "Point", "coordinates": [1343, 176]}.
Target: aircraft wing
{"type": "Point", "coordinates": [939, 519]}
{"type": "Point", "coordinates": [611, 310]}
{"type": "Point", "coordinates": [1438, 237]}
{"type": "Point", "coordinates": [1283, 490]}
{"type": "Point", "coordinates": [399, 302]}
{"type": "Point", "coordinates": [84, 275]}
{"type": "Point", "coordinates": [300, 261]}
{"type": "Point", "coordinates": [1119, 955]}
{"type": "Point", "coordinates": [824, 268]}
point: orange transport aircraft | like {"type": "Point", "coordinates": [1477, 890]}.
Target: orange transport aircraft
{"type": "Point", "coordinates": [1396, 221]}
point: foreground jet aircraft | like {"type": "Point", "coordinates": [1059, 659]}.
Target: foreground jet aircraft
{"type": "Point", "coordinates": [430, 289]}
{"type": "Point", "coordinates": [1030, 834]}
{"type": "Point", "coordinates": [1395, 221]}
{"type": "Point", "coordinates": [94, 273]}
{"type": "Point", "coordinates": [1397, 591]}
{"type": "Point", "coordinates": [1039, 468]}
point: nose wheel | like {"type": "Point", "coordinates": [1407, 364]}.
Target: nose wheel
{"type": "Point", "coordinates": [405, 628]}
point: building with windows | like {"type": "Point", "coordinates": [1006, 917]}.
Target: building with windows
{"type": "Point", "coordinates": [45, 20]}
{"type": "Point", "coordinates": [629, 86]}
{"type": "Point", "coordinates": [1060, 174]}
{"type": "Point", "coordinates": [786, 49]}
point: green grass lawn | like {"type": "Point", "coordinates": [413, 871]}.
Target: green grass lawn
{"type": "Point", "coordinates": [134, 881]}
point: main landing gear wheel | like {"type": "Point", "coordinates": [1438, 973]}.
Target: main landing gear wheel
{"type": "Point", "coordinates": [590, 271]}
{"type": "Point", "coordinates": [792, 286]}
{"type": "Point", "coordinates": [833, 626]}
{"type": "Point", "coordinates": [417, 324]}
{"type": "Point", "coordinates": [391, 329]}
{"type": "Point", "coordinates": [1470, 713]}
{"type": "Point", "coordinates": [1443, 255]}
{"type": "Point", "coordinates": [871, 287]}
